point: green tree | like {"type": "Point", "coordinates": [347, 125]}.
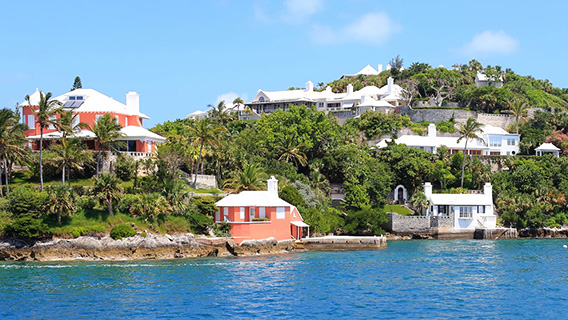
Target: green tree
{"type": "Point", "coordinates": [60, 201]}
{"type": "Point", "coordinates": [420, 202]}
{"type": "Point", "coordinates": [518, 109]}
{"type": "Point", "coordinates": [71, 154]}
{"type": "Point", "coordinates": [107, 189]}
{"type": "Point", "coordinates": [45, 109]}
{"type": "Point", "coordinates": [207, 133]}
{"type": "Point", "coordinates": [221, 114]}
{"type": "Point", "coordinates": [251, 177]}
{"type": "Point", "coordinates": [237, 103]}
{"type": "Point", "coordinates": [12, 141]}
{"type": "Point", "coordinates": [468, 131]}
{"type": "Point", "coordinates": [290, 150]}
{"type": "Point", "coordinates": [77, 84]}
{"type": "Point", "coordinates": [107, 132]}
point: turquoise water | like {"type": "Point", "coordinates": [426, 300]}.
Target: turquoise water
{"type": "Point", "coordinates": [501, 279]}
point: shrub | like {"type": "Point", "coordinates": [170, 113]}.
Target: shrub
{"type": "Point", "coordinates": [126, 203]}
{"type": "Point", "coordinates": [122, 230]}
{"type": "Point", "coordinates": [86, 202]}
{"type": "Point", "coordinates": [222, 230]}
{"type": "Point", "coordinates": [205, 205]}
{"type": "Point", "coordinates": [200, 223]}
{"type": "Point", "coordinates": [260, 219]}
{"type": "Point", "coordinates": [25, 200]}
{"type": "Point", "coordinates": [83, 231]}
{"type": "Point", "coordinates": [27, 227]}
{"type": "Point", "coordinates": [125, 168]}
{"type": "Point", "coordinates": [291, 195]}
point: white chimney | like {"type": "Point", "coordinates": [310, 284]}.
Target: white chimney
{"type": "Point", "coordinates": [428, 189]}
{"type": "Point", "coordinates": [349, 89]}
{"type": "Point", "coordinates": [272, 184]}
{"type": "Point", "coordinates": [133, 102]}
{"type": "Point", "coordinates": [388, 67]}
{"type": "Point", "coordinates": [432, 131]}
{"type": "Point", "coordinates": [390, 82]}
{"type": "Point", "coordinates": [328, 89]}
{"type": "Point", "coordinates": [380, 68]}
{"type": "Point", "coordinates": [362, 99]}
{"type": "Point", "coordinates": [488, 189]}
{"type": "Point", "coordinates": [309, 86]}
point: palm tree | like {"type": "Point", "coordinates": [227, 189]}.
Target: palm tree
{"type": "Point", "coordinates": [251, 177]}
{"type": "Point", "coordinates": [46, 109]}
{"type": "Point", "coordinates": [468, 131]}
{"type": "Point", "coordinates": [206, 133]}
{"type": "Point", "coordinates": [290, 150]}
{"type": "Point", "coordinates": [220, 114]}
{"type": "Point", "coordinates": [237, 103]}
{"type": "Point", "coordinates": [12, 142]}
{"type": "Point", "coordinates": [420, 201]}
{"type": "Point", "coordinates": [67, 124]}
{"type": "Point", "coordinates": [71, 154]}
{"type": "Point", "coordinates": [519, 109]}
{"type": "Point", "coordinates": [107, 188]}
{"type": "Point", "coordinates": [60, 201]}
{"type": "Point", "coordinates": [107, 131]}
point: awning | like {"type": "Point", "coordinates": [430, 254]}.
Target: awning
{"type": "Point", "coordinates": [299, 223]}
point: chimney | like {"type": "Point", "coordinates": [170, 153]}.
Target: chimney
{"type": "Point", "coordinates": [390, 82]}
{"type": "Point", "coordinates": [349, 89]}
{"type": "Point", "coordinates": [309, 86]}
{"type": "Point", "coordinates": [428, 189]}
{"type": "Point", "coordinates": [272, 184]}
{"type": "Point", "coordinates": [328, 89]}
{"type": "Point", "coordinates": [362, 99]}
{"type": "Point", "coordinates": [380, 68]}
{"type": "Point", "coordinates": [488, 189]}
{"type": "Point", "coordinates": [133, 102]}
{"type": "Point", "coordinates": [432, 131]}
{"type": "Point", "coordinates": [388, 67]}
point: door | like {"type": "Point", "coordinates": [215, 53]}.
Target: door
{"type": "Point", "coordinates": [251, 214]}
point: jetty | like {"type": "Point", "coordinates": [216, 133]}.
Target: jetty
{"type": "Point", "coordinates": [342, 243]}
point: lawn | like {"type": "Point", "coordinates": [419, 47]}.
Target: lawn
{"type": "Point", "coordinates": [396, 208]}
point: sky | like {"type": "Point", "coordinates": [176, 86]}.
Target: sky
{"type": "Point", "coordinates": [181, 56]}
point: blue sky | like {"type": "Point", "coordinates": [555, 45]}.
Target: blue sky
{"type": "Point", "coordinates": [181, 56]}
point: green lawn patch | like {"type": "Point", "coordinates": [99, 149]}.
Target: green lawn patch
{"type": "Point", "coordinates": [396, 208]}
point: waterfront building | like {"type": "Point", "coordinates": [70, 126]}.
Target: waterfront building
{"type": "Point", "coordinates": [496, 141]}
{"type": "Point", "coordinates": [89, 105]}
{"type": "Point", "coordinates": [482, 80]}
{"type": "Point", "coordinates": [348, 104]}
{"type": "Point", "coordinates": [256, 215]}
{"type": "Point", "coordinates": [468, 211]}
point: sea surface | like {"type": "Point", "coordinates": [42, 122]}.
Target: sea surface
{"type": "Point", "coordinates": [425, 279]}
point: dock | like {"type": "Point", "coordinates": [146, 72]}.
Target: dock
{"type": "Point", "coordinates": [342, 243]}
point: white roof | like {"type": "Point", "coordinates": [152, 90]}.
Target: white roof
{"type": "Point", "coordinates": [370, 102]}
{"type": "Point", "coordinates": [83, 134]}
{"type": "Point", "coordinates": [461, 199]}
{"type": "Point", "coordinates": [483, 77]}
{"type": "Point", "coordinates": [34, 99]}
{"type": "Point", "coordinates": [299, 223]}
{"type": "Point", "coordinates": [252, 198]}
{"type": "Point", "coordinates": [141, 133]}
{"type": "Point", "coordinates": [368, 71]}
{"type": "Point", "coordinates": [489, 129]}
{"type": "Point", "coordinates": [547, 147]}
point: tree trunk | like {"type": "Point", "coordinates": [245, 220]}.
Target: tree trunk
{"type": "Point", "coordinates": [58, 217]}
{"type": "Point", "coordinates": [6, 176]}
{"type": "Point", "coordinates": [98, 161]}
{"type": "Point", "coordinates": [110, 212]}
{"type": "Point", "coordinates": [1, 191]}
{"type": "Point", "coordinates": [41, 158]}
{"type": "Point", "coordinates": [63, 176]}
{"type": "Point", "coordinates": [463, 162]}
{"type": "Point", "coordinates": [198, 161]}
{"type": "Point", "coordinates": [69, 177]}
{"type": "Point", "coordinates": [517, 124]}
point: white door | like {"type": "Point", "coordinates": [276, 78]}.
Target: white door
{"type": "Point", "coordinates": [251, 213]}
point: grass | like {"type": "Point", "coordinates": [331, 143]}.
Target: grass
{"type": "Point", "coordinates": [396, 208]}
{"type": "Point", "coordinates": [23, 178]}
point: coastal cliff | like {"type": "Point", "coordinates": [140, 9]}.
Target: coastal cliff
{"type": "Point", "coordinates": [137, 248]}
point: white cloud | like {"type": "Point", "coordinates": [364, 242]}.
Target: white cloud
{"type": "Point", "coordinates": [491, 42]}
{"type": "Point", "coordinates": [299, 10]}
{"type": "Point", "coordinates": [374, 28]}
{"type": "Point", "coordinates": [228, 98]}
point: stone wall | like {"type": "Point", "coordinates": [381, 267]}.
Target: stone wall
{"type": "Point", "coordinates": [437, 115]}
{"type": "Point", "coordinates": [442, 222]}
{"type": "Point", "coordinates": [408, 224]}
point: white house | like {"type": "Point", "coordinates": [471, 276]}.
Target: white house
{"type": "Point", "coordinates": [482, 80]}
{"type": "Point", "coordinates": [547, 148]}
{"type": "Point", "coordinates": [347, 104]}
{"type": "Point", "coordinates": [496, 141]}
{"type": "Point", "coordinates": [469, 211]}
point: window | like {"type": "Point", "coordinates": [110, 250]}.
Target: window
{"type": "Point", "coordinates": [480, 209]}
{"type": "Point", "coordinates": [226, 213]}
{"type": "Point", "coordinates": [218, 216]}
{"type": "Point", "coordinates": [442, 210]}
{"type": "Point", "coordinates": [31, 121]}
{"type": "Point", "coordinates": [494, 153]}
{"type": "Point", "coordinates": [72, 98]}
{"type": "Point", "coordinates": [79, 98]}
{"type": "Point", "coordinates": [76, 120]}
{"type": "Point", "coordinates": [494, 141]}
{"type": "Point", "coordinates": [52, 118]}
{"type": "Point", "coordinates": [261, 99]}
{"type": "Point", "coordinates": [262, 212]}
{"type": "Point", "coordinates": [251, 213]}
{"type": "Point", "coordinates": [97, 117]}
{"type": "Point", "coordinates": [242, 213]}
{"type": "Point", "coordinates": [511, 142]}
{"type": "Point", "coordinates": [466, 212]}
{"type": "Point", "coordinates": [280, 213]}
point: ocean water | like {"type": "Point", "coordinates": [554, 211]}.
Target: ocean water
{"type": "Point", "coordinates": [426, 279]}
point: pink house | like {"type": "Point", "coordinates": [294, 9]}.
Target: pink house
{"type": "Point", "coordinates": [256, 215]}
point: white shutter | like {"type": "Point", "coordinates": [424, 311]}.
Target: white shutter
{"type": "Point", "coordinates": [242, 213]}
{"type": "Point", "coordinates": [261, 213]}
{"type": "Point", "coordinates": [280, 213]}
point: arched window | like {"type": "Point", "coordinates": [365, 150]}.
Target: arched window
{"type": "Point", "coordinates": [261, 99]}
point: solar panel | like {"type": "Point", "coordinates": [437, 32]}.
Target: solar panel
{"type": "Point", "coordinates": [68, 104]}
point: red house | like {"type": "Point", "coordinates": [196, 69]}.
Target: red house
{"type": "Point", "coordinates": [90, 105]}
{"type": "Point", "coordinates": [256, 215]}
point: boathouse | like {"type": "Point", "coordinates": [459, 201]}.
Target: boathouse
{"type": "Point", "coordinates": [256, 215]}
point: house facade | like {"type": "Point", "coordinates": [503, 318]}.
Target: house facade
{"type": "Point", "coordinates": [256, 215]}
{"type": "Point", "coordinates": [482, 80]}
{"type": "Point", "coordinates": [89, 105]}
{"type": "Point", "coordinates": [468, 211]}
{"type": "Point", "coordinates": [496, 141]}
{"type": "Point", "coordinates": [348, 104]}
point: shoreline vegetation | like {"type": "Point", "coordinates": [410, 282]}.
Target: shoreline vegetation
{"type": "Point", "coordinates": [66, 192]}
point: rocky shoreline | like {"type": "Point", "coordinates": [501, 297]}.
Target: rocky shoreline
{"type": "Point", "coordinates": [152, 246]}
